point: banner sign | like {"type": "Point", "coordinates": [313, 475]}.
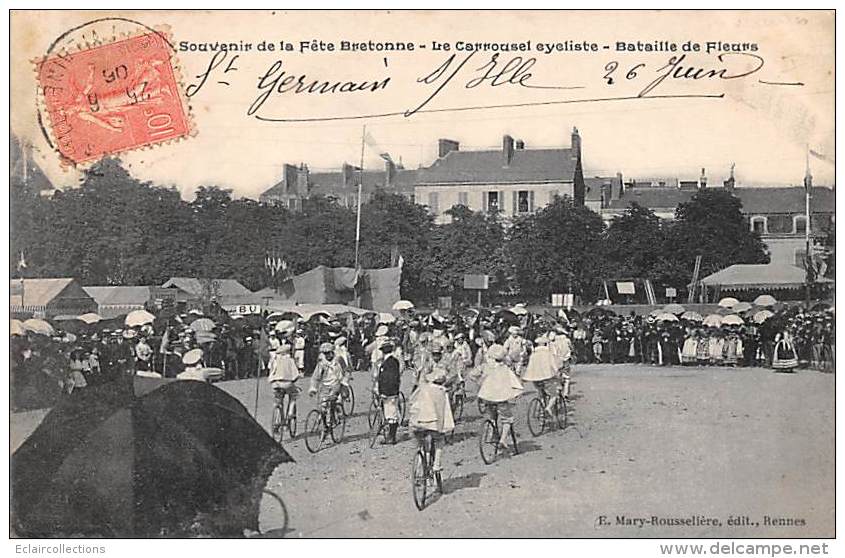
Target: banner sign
{"type": "Point", "coordinates": [478, 282]}
{"type": "Point", "coordinates": [625, 287]}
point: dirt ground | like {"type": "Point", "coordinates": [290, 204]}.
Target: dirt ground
{"type": "Point", "coordinates": [749, 449]}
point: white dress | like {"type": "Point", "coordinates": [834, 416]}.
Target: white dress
{"type": "Point", "coordinates": [429, 408]}
{"type": "Point", "coordinates": [541, 365]}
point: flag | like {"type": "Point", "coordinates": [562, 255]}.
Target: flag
{"type": "Point", "coordinates": [820, 156]}
{"type": "Point", "coordinates": [21, 262]}
{"type": "Point", "coordinates": [371, 141]}
{"type": "Point", "coordinates": [386, 156]}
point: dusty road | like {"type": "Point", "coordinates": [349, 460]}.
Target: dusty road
{"type": "Point", "coordinates": [716, 444]}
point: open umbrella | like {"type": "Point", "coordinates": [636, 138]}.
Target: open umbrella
{"type": "Point", "coordinates": [519, 310]}
{"type": "Point", "coordinates": [656, 312]}
{"type": "Point", "coordinates": [290, 315]}
{"type": "Point", "coordinates": [38, 326]}
{"type": "Point", "coordinates": [90, 318]}
{"type": "Point", "coordinates": [692, 316]}
{"type": "Point", "coordinates": [285, 326]}
{"type": "Point", "coordinates": [667, 317]}
{"type": "Point", "coordinates": [202, 324]}
{"type": "Point", "coordinates": [714, 320]}
{"type": "Point", "coordinates": [742, 307]}
{"type": "Point", "coordinates": [762, 316]}
{"type": "Point", "coordinates": [16, 328]}
{"type": "Point", "coordinates": [386, 318]}
{"type": "Point", "coordinates": [184, 459]}
{"type": "Point", "coordinates": [137, 318]}
{"type": "Point", "coordinates": [728, 302]}
{"type": "Point", "coordinates": [732, 319]}
{"type": "Point", "coordinates": [765, 300]}
{"type": "Point", "coordinates": [676, 309]}
{"type": "Point", "coordinates": [403, 305]}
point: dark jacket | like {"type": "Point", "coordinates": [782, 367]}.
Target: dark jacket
{"type": "Point", "coordinates": [388, 377]}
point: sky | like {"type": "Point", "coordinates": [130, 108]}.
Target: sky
{"type": "Point", "coordinates": [764, 129]}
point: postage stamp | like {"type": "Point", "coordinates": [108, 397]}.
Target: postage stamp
{"type": "Point", "coordinates": [112, 98]}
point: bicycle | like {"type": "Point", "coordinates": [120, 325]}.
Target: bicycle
{"type": "Point", "coordinates": [538, 417]}
{"type": "Point", "coordinates": [488, 439]}
{"type": "Point", "coordinates": [347, 398]}
{"type": "Point", "coordinates": [328, 419]}
{"type": "Point", "coordinates": [422, 471]}
{"type": "Point", "coordinates": [457, 397]}
{"type": "Point", "coordinates": [375, 406]}
{"type": "Point", "coordinates": [284, 416]}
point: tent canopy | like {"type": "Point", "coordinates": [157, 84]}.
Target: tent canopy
{"type": "Point", "coordinates": [759, 276]}
{"type": "Point", "coordinates": [373, 289]}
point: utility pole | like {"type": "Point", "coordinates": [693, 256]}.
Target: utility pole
{"type": "Point", "coordinates": [808, 258]}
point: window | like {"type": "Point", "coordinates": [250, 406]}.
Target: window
{"type": "Point", "coordinates": [522, 202]}
{"type": "Point", "coordinates": [434, 202]}
{"type": "Point", "coordinates": [800, 224]}
{"type": "Point", "coordinates": [758, 225]}
{"type": "Point", "coordinates": [463, 199]}
{"type": "Point", "coordinates": [493, 204]}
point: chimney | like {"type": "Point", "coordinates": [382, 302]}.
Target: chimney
{"type": "Point", "coordinates": [302, 180]}
{"type": "Point", "coordinates": [389, 172]}
{"type": "Point", "coordinates": [507, 150]}
{"type": "Point", "coordinates": [702, 182]}
{"type": "Point", "coordinates": [617, 187]}
{"type": "Point", "coordinates": [446, 146]}
{"type": "Point", "coordinates": [730, 183]}
{"type": "Point", "coordinates": [575, 142]}
{"type": "Point", "coordinates": [348, 175]}
{"type": "Point", "coordinates": [289, 175]}
{"type": "Point", "coordinates": [520, 145]}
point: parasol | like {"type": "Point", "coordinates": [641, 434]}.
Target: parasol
{"type": "Point", "coordinates": [714, 320]}
{"type": "Point", "coordinates": [185, 459]}
{"type": "Point", "coordinates": [728, 302]}
{"type": "Point", "coordinates": [676, 309]}
{"type": "Point", "coordinates": [732, 319]}
{"type": "Point", "coordinates": [403, 305]}
{"type": "Point", "coordinates": [762, 316]}
{"type": "Point", "coordinates": [40, 327]}
{"type": "Point", "coordinates": [765, 300]}
{"type": "Point", "coordinates": [692, 316]}
{"type": "Point", "coordinates": [519, 310]}
{"type": "Point", "coordinates": [285, 326]}
{"type": "Point", "coordinates": [202, 324]}
{"type": "Point", "coordinates": [742, 307]}
{"type": "Point", "coordinates": [386, 318]}
{"type": "Point", "coordinates": [667, 317]}
{"type": "Point", "coordinates": [137, 318]}
{"type": "Point", "coordinates": [16, 328]}
{"type": "Point", "coordinates": [90, 318]}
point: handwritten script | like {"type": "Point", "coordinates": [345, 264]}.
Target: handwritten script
{"type": "Point", "coordinates": [473, 72]}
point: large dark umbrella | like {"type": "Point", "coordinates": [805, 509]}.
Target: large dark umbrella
{"type": "Point", "coordinates": [183, 459]}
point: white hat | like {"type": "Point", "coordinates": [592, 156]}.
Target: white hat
{"type": "Point", "coordinates": [496, 352]}
{"type": "Point", "coordinates": [340, 340]}
{"type": "Point", "coordinates": [542, 340]}
{"type": "Point", "coordinates": [513, 329]}
{"type": "Point", "coordinates": [192, 357]}
{"type": "Point", "coordinates": [381, 331]}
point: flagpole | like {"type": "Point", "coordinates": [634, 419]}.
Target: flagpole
{"type": "Point", "coordinates": [808, 259]}
{"type": "Point", "coordinates": [360, 189]}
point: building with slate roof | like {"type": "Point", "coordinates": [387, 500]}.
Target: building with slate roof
{"type": "Point", "coordinates": [514, 180]}
{"type": "Point", "coordinates": [48, 298]}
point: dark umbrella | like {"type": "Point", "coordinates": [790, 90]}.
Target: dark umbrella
{"type": "Point", "coordinates": [183, 459]}
{"type": "Point", "coordinates": [508, 317]}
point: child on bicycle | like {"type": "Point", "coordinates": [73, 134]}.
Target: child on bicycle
{"type": "Point", "coordinates": [387, 386]}
{"type": "Point", "coordinates": [542, 369]}
{"type": "Point", "coordinates": [500, 386]}
{"type": "Point", "coordinates": [429, 412]}
{"type": "Point", "coordinates": [326, 380]}
{"type": "Point", "coordinates": [283, 375]}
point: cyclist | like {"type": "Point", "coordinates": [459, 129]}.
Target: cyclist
{"type": "Point", "coordinates": [561, 347]}
{"type": "Point", "coordinates": [542, 369]}
{"type": "Point", "coordinates": [326, 380]}
{"type": "Point", "coordinates": [515, 349]}
{"type": "Point", "coordinates": [283, 376]}
{"type": "Point", "coordinates": [430, 415]}
{"type": "Point", "coordinates": [387, 386]}
{"type": "Point", "coordinates": [500, 386]}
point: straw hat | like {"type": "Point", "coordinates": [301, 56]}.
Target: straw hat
{"type": "Point", "coordinates": [192, 357]}
{"type": "Point", "coordinates": [496, 352]}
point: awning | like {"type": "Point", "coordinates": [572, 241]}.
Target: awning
{"type": "Point", "coordinates": [759, 277]}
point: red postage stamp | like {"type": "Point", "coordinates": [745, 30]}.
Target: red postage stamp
{"type": "Point", "coordinates": [113, 98]}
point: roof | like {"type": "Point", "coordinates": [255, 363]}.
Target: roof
{"type": "Point", "coordinates": [785, 200]}
{"type": "Point", "coordinates": [593, 186]}
{"type": "Point", "coordinates": [119, 296]}
{"type": "Point", "coordinates": [760, 200]}
{"type": "Point", "coordinates": [527, 165]}
{"type": "Point", "coordinates": [41, 292]}
{"type": "Point", "coordinates": [192, 285]}
{"type": "Point", "coordinates": [759, 276]}
{"type": "Point", "coordinates": [277, 189]}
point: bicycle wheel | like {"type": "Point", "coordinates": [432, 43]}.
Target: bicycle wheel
{"type": "Point", "coordinates": [292, 419]}
{"type": "Point", "coordinates": [561, 412]}
{"type": "Point", "coordinates": [277, 423]}
{"type": "Point", "coordinates": [373, 411]}
{"type": "Point", "coordinates": [339, 427]}
{"type": "Point", "coordinates": [376, 428]}
{"type": "Point", "coordinates": [347, 397]}
{"type": "Point", "coordinates": [536, 417]}
{"type": "Point", "coordinates": [418, 479]}
{"type": "Point", "coordinates": [488, 441]}
{"type": "Point", "coordinates": [314, 431]}
{"type": "Point", "coordinates": [458, 406]}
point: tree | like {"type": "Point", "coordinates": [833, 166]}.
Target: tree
{"type": "Point", "coordinates": [473, 242]}
{"type": "Point", "coordinates": [711, 224]}
{"type": "Point", "coordinates": [558, 249]}
{"type": "Point", "coordinates": [633, 242]}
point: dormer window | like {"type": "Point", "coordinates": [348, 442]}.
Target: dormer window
{"type": "Point", "coordinates": [758, 224]}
